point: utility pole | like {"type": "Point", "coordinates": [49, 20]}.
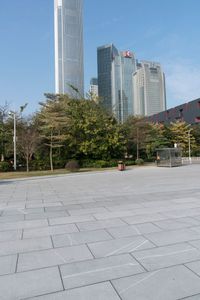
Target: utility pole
{"type": "Point", "coordinates": [14, 142]}
{"type": "Point", "coordinates": [189, 146]}
{"type": "Point", "coordinates": [14, 114]}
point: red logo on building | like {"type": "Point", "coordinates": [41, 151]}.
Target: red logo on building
{"type": "Point", "coordinates": [128, 54]}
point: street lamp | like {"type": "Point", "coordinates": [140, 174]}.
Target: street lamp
{"type": "Point", "coordinates": [13, 114]}
{"type": "Point", "coordinates": [189, 146]}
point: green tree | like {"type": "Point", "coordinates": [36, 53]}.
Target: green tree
{"type": "Point", "coordinates": [93, 132]}
{"type": "Point", "coordinates": [3, 130]}
{"type": "Point", "coordinates": [136, 130]}
{"type": "Point", "coordinates": [182, 134]}
{"type": "Point", "coordinates": [196, 134]}
{"type": "Point", "coordinates": [52, 122]}
{"type": "Point", "coordinates": [156, 138]}
{"type": "Point", "coordinates": [27, 139]}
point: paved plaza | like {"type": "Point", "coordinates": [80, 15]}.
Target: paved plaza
{"type": "Point", "coordinates": [132, 235]}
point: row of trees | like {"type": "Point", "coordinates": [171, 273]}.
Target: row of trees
{"type": "Point", "coordinates": [64, 129]}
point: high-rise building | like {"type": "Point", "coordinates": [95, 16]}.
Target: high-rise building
{"type": "Point", "coordinates": [124, 66]}
{"type": "Point", "coordinates": [105, 55]}
{"type": "Point", "coordinates": [94, 86]}
{"type": "Point", "coordinates": [115, 80]}
{"type": "Point", "coordinates": [69, 76]}
{"type": "Point", "coordinates": [149, 89]}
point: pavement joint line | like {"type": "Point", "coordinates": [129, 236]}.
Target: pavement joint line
{"type": "Point", "coordinates": [138, 282]}
{"type": "Point", "coordinates": [115, 290]}
{"type": "Point", "coordinates": [16, 266]}
{"type": "Point", "coordinates": [90, 250]}
{"type": "Point", "coordinates": [100, 270]}
{"type": "Point", "coordinates": [107, 230]}
{"type": "Point", "coordinates": [22, 234]}
{"type": "Point", "coordinates": [139, 262]}
{"type": "Point", "coordinates": [135, 248]}
{"type": "Point", "coordinates": [185, 265]}
{"type": "Point", "coordinates": [52, 242]}
{"type": "Point", "coordinates": [189, 297]}
{"type": "Point", "coordinates": [61, 278]}
{"type": "Point", "coordinates": [124, 247]}
{"type": "Point", "coordinates": [167, 254]}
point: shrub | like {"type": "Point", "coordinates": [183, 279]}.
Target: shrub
{"type": "Point", "coordinates": [87, 163]}
{"type": "Point", "coordinates": [98, 163]}
{"type": "Point", "coordinates": [39, 164]}
{"type": "Point", "coordinates": [72, 165]}
{"type": "Point", "coordinates": [101, 164]}
{"type": "Point", "coordinates": [139, 161]}
{"type": "Point", "coordinates": [129, 162]}
{"type": "Point", "coordinates": [4, 166]}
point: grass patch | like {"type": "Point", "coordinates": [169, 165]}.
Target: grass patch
{"type": "Point", "coordinates": [21, 174]}
{"type": "Point", "coordinates": [15, 175]}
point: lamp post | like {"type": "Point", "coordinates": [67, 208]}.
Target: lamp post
{"type": "Point", "coordinates": [14, 142]}
{"type": "Point", "coordinates": [189, 146]}
{"type": "Point", "coordinates": [13, 114]}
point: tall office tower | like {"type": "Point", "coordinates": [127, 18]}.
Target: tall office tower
{"type": "Point", "coordinates": [94, 86]}
{"type": "Point", "coordinates": [69, 47]}
{"type": "Point", "coordinates": [115, 75]}
{"type": "Point", "coordinates": [124, 66]}
{"type": "Point", "coordinates": [149, 89]}
{"type": "Point", "coordinates": [105, 55]}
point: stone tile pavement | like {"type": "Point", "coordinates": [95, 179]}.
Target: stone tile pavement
{"type": "Point", "coordinates": [111, 235]}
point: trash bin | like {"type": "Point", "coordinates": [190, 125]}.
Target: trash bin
{"type": "Point", "coordinates": [121, 166]}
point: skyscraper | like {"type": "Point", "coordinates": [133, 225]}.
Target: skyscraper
{"type": "Point", "coordinates": [124, 66]}
{"type": "Point", "coordinates": [115, 76]}
{"type": "Point", "coordinates": [105, 55]}
{"type": "Point", "coordinates": [149, 89]}
{"type": "Point", "coordinates": [94, 86]}
{"type": "Point", "coordinates": [69, 47]}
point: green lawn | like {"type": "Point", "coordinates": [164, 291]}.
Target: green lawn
{"type": "Point", "coordinates": [13, 175]}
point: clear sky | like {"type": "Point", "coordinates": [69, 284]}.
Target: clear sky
{"type": "Point", "coordinates": [166, 31]}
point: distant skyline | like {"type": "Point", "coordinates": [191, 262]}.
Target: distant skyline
{"type": "Point", "coordinates": [161, 31]}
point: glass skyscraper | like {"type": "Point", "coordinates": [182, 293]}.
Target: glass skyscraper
{"type": "Point", "coordinates": [115, 80]}
{"type": "Point", "coordinates": [68, 17]}
{"type": "Point", "coordinates": [149, 89]}
{"type": "Point", "coordinates": [105, 55]}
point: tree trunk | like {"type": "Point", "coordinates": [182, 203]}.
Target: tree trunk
{"type": "Point", "coordinates": [51, 158]}
{"type": "Point", "coordinates": [137, 143]}
{"type": "Point", "coordinates": [27, 164]}
{"type": "Point", "coordinates": [51, 153]}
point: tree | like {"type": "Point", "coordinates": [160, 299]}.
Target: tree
{"type": "Point", "coordinates": [93, 133]}
{"type": "Point", "coordinates": [182, 135]}
{"type": "Point", "coordinates": [135, 130]}
{"type": "Point", "coordinates": [196, 134]}
{"type": "Point", "coordinates": [3, 131]}
{"type": "Point", "coordinates": [52, 121]}
{"type": "Point", "coordinates": [27, 141]}
{"type": "Point", "coordinates": [156, 138]}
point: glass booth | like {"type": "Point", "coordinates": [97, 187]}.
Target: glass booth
{"type": "Point", "coordinates": [169, 157]}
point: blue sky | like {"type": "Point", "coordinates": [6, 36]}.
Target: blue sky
{"type": "Point", "coordinates": [166, 31]}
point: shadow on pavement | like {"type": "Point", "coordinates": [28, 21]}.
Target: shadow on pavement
{"type": "Point", "coordinates": [5, 182]}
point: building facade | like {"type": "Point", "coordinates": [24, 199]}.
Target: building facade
{"type": "Point", "coordinates": [94, 87]}
{"type": "Point", "coordinates": [188, 112]}
{"type": "Point", "coordinates": [68, 26]}
{"type": "Point", "coordinates": [115, 80]}
{"type": "Point", "coordinates": [149, 89]}
{"type": "Point", "coordinates": [105, 56]}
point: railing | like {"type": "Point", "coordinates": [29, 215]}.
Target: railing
{"type": "Point", "coordinates": [192, 160]}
